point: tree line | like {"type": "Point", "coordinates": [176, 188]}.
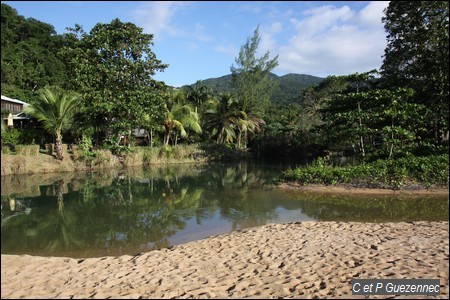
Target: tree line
{"type": "Point", "coordinates": [108, 74]}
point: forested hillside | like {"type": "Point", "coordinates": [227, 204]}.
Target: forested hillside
{"type": "Point", "coordinates": [289, 91]}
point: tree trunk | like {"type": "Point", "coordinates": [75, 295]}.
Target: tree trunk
{"type": "Point", "coordinates": [361, 138]}
{"type": "Point", "coordinates": [58, 146]}
{"type": "Point", "coordinates": [392, 139]}
{"type": "Point", "coordinates": [151, 138]}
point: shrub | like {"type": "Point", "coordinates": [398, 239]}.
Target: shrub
{"type": "Point", "coordinates": [166, 152]}
{"type": "Point", "coordinates": [11, 136]}
{"type": "Point", "coordinates": [383, 173]}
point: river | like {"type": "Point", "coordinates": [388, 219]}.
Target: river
{"type": "Point", "coordinates": [116, 212]}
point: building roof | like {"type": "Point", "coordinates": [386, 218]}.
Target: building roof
{"type": "Point", "coordinates": [14, 100]}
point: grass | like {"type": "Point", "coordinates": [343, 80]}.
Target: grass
{"type": "Point", "coordinates": [20, 161]}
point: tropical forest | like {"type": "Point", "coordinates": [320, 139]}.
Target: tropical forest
{"type": "Point", "coordinates": [93, 103]}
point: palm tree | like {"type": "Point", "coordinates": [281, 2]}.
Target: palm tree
{"type": "Point", "coordinates": [178, 118]}
{"type": "Point", "coordinates": [250, 123]}
{"type": "Point", "coordinates": [223, 117]}
{"type": "Point", "coordinates": [55, 110]}
{"type": "Point", "coordinates": [198, 94]}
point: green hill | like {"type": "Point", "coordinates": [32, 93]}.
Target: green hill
{"type": "Point", "coordinates": [290, 86]}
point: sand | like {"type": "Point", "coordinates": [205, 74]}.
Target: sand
{"type": "Point", "coordinates": [294, 260]}
{"type": "Point", "coordinates": [349, 190]}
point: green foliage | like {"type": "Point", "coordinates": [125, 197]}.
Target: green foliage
{"type": "Point", "coordinates": [32, 136]}
{"type": "Point", "coordinates": [113, 66]}
{"type": "Point", "coordinates": [427, 171]}
{"type": "Point", "coordinates": [417, 57]}
{"type": "Point", "coordinates": [89, 155]}
{"type": "Point", "coordinates": [29, 59]}
{"type": "Point", "coordinates": [251, 83]}
{"type": "Point", "coordinates": [55, 109]}
{"type": "Point", "coordinates": [377, 118]}
{"type": "Point", "coordinates": [11, 136]}
{"type": "Point", "coordinates": [85, 144]}
{"type": "Point", "coordinates": [228, 123]}
{"type": "Point", "coordinates": [166, 151]}
{"type": "Point", "coordinates": [112, 144]}
{"type": "Point", "coordinates": [179, 118]}
{"type": "Point", "coordinates": [221, 118]}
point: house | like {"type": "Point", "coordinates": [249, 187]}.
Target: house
{"type": "Point", "coordinates": [13, 105]}
{"type": "Point", "coordinates": [16, 107]}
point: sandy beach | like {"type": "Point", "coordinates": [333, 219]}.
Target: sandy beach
{"type": "Point", "coordinates": [294, 260]}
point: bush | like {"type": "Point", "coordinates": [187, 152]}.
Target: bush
{"type": "Point", "coordinates": [11, 136]}
{"type": "Point", "coordinates": [166, 152]}
{"type": "Point", "coordinates": [381, 173]}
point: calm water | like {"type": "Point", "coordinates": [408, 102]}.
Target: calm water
{"type": "Point", "coordinates": [127, 212]}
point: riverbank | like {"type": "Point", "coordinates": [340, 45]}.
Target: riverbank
{"type": "Point", "coordinates": [405, 173]}
{"type": "Point", "coordinates": [295, 260]}
{"type": "Point", "coordinates": [349, 189]}
{"type": "Point", "coordinates": [75, 160]}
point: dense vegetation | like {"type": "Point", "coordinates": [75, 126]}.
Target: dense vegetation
{"type": "Point", "coordinates": [399, 113]}
{"type": "Point", "coordinates": [289, 91]}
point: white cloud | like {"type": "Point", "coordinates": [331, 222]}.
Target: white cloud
{"type": "Point", "coordinates": [321, 19]}
{"type": "Point", "coordinates": [371, 15]}
{"type": "Point", "coordinates": [156, 16]}
{"type": "Point", "coordinates": [268, 41]}
{"type": "Point", "coordinates": [334, 41]}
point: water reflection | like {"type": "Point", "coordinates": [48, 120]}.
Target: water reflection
{"type": "Point", "coordinates": [116, 212]}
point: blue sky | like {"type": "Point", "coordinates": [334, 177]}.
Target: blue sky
{"type": "Point", "coordinates": [201, 40]}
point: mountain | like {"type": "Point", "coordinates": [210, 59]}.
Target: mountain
{"type": "Point", "coordinates": [290, 86]}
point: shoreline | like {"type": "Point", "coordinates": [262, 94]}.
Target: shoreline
{"type": "Point", "coordinates": [347, 189]}
{"type": "Point", "coordinates": [290, 260]}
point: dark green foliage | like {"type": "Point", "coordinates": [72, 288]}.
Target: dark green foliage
{"type": "Point", "coordinates": [417, 57]}
{"type": "Point", "coordinates": [291, 87]}
{"type": "Point", "coordinates": [29, 56]}
{"type": "Point", "coordinates": [112, 67]}
{"type": "Point", "coordinates": [410, 170]}
{"type": "Point", "coordinates": [11, 136]}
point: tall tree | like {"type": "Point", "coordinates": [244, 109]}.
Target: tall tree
{"type": "Point", "coordinates": [113, 67]}
{"type": "Point", "coordinates": [250, 77]}
{"type": "Point", "coordinates": [417, 56]}
{"type": "Point", "coordinates": [55, 110]}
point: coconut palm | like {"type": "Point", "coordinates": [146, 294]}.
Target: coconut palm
{"type": "Point", "coordinates": [178, 119]}
{"type": "Point", "coordinates": [223, 118]}
{"type": "Point", "coordinates": [249, 124]}
{"type": "Point", "coordinates": [198, 94]}
{"type": "Point", "coordinates": [55, 110]}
